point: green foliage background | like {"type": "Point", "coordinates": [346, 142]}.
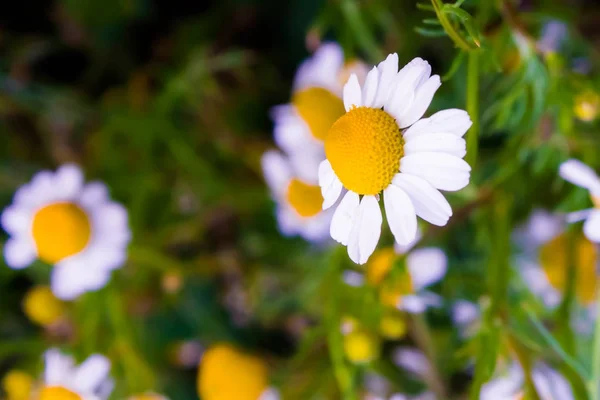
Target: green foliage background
{"type": "Point", "coordinates": [168, 103]}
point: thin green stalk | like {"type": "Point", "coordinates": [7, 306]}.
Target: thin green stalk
{"type": "Point", "coordinates": [343, 373]}
{"type": "Point", "coordinates": [363, 35]}
{"type": "Point", "coordinates": [422, 337]}
{"type": "Point", "coordinates": [594, 382]}
{"type": "Point", "coordinates": [566, 337]}
{"type": "Point", "coordinates": [473, 107]}
{"type": "Point", "coordinates": [449, 28]}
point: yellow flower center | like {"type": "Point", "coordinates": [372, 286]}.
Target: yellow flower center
{"type": "Point", "coordinates": [380, 264]}
{"type": "Point", "coordinates": [60, 230]}
{"type": "Point", "coordinates": [553, 258]}
{"type": "Point", "coordinates": [304, 198]}
{"type": "Point", "coordinates": [225, 373]}
{"type": "Point", "coordinates": [394, 289]}
{"type": "Point", "coordinates": [17, 385]}
{"type": "Point", "coordinates": [586, 106]}
{"type": "Point", "coordinates": [42, 307]}
{"type": "Point", "coordinates": [319, 108]}
{"type": "Point", "coordinates": [596, 201]}
{"type": "Point", "coordinates": [364, 148]}
{"type": "Point", "coordinates": [57, 393]}
{"type": "Point", "coordinates": [361, 346]}
{"type": "Point", "coordinates": [392, 325]}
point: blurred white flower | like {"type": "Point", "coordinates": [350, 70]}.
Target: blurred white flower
{"type": "Point", "coordinates": [465, 316]}
{"type": "Point", "coordinates": [64, 380]}
{"type": "Point", "coordinates": [69, 224]}
{"type": "Point", "coordinates": [368, 155]}
{"type": "Point", "coordinates": [294, 188]}
{"type": "Point", "coordinates": [581, 175]}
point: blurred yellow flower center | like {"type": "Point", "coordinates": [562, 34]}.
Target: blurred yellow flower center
{"type": "Point", "coordinates": [392, 325]}
{"type": "Point", "coordinates": [17, 385]}
{"type": "Point", "coordinates": [394, 289]}
{"type": "Point", "coordinates": [42, 307]}
{"type": "Point", "coordinates": [60, 230]}
{"type": "Point", "coordinates": [380, 264]}
{"type": "Point", "coordinates": [554, 261]}
{"type": "Point", "coordinates": [596, 201]}
{"type": "Point", "coordinates": [586, 106]}
{"type": "Point", "coordinates": [225, 373]}
{"type": "Point", "coordinates": [57, 393]}
{"type": "Point", "coordinates": [364, 148]}
{"type": "Point", "coordinates": [304, 198]}
{"type": "Point", "coordinates": [361, 346]}
{"type": "Point", "coordinates": [319, 108]}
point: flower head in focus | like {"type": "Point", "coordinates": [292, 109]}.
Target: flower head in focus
{"type": "Point", "coordinates": [70, 225]}
{"type": "Point", "coordinates": [368, 154]}
{"type": "Point", "coordinates": [226, 373]}
{"type": "Point", "coordinates": [581, 175]}
{"type": "Point", "coordinates": [65, 381]}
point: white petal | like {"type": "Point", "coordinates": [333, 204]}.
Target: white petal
{"type": "Point", "coordinates": [428, 202]}
{"type": "Point", "coordinates": [322, 68]}
{"type": "Point", "coordinates": [442, 171]}
{"type": "Point", "coordinates": [352, 93]}
{"type": "Point", "coordinates": [580, 174]}
{"type": "Point", "coordinates": [423, 97]}
{"type": "Point", "coordinates": [400, 214]}
{"type": "Point", "coordinates": [91, 373]}
{"type": "Point", "coordinates": [68, 280]}
{"type": "Point", "coordinates": [353, 278]}
{"type": "Point", "coordinates": [591, 227]}
{"type": "Point", "coordinates": [343, 218]}
{"type": "Point", "coordinates": [276, 170]}
{"type": "Point", "coordinates": [413, 304]}
{"type": "Point", "coordinates": [426, 266]}
{"type": "Point", "coordinates": [19, 253]}
{"type": "Point", "coordinates": [453, 121]}
{"type": "Point", "coordinates": [370, 88]}
{"type": "Point", "coordinates": [57, 367]}
{"type": "Point", "coordinates": [577, 216]}
{"type": "Point", "coordinates": [287, 220]}
{"type": "Point", "coordinates": [387, 72]}
{"type": "Point", "coordinates": [464, 312]}
{"type": "Point", "coordinates": [69, 180]}
{"type": "Point", "coordinates": [94, 194]}
{"type": "Point", "coordinates": [404, 86]}
{"type": "Point", "coordinates": [437, 142]}
{"type": "Point", "coordinates": [16, 220]}
{"type": "Point", "coordinates": [269, 394]}
{"type": "Point", "coordinates": [331, 186]}
{"type": "Point", "coordinates": [412, 360]}
{"type": "Point", "coordinates": [366, 229]}
{"type": "Point", "coordinates": [290, 131]}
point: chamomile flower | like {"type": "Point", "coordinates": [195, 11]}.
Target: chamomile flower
{"type": "Point", "coordinates": [17, 385]}
{"type": "Point", "coordinates": [368, 153]}
{"type": "Point", "coordinates": [226, 373]}
{"type": "Point", "coordinates": [580, 174]}
{"type": "Point", "coordinates": [293, 184]}
{"type": "Point", "coordinates": [301, 125]}
{"type": "Point", "coordinates": [42, 307]}
{"type": "Point", "coordinates": [63, 380]}
{"type": "Point", "coordinates": [406, 288]}
{"type": "Point", "coordinates": [73, 226]}
{"type": "Point", "coordinates": [509, 384]}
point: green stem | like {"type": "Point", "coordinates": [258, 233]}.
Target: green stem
{"type": "Point", "coordinates": [362, 34]}
{"type": "Point", "coordinates": [473, 107]}
{"type": "Point", "coordinates": [449, 28]}
{"type": "Point", "coordinates": [422, 337]}
{"type": "Point", "coordinates": [594, 382]}
{"type": "Point", "coordinates": [343, 373]}
{"type": "Point", "coordinates": [566, 338]}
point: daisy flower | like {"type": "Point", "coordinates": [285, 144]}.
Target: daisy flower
{"type": "Point", "coordinates": [42, 307]}
{"type": "Point", "coordinates": [580, 174]}
{"type": "Point", "coordinates": [368, 153]}
{"type": "Point", "coordinates": [301, 125]}
{"type": "Point", "coordinates": [293, 185]}
{"type": "Point", "coordinates": [226, 373]}
{"type": "Point", "coordinates": [509, 385]}
{"type": "Point", "coordinates": [63, 380]}
{"type": "Point", "coordinates": [407, 289]}
{"type": "Point", "coordinates": [72, 226]}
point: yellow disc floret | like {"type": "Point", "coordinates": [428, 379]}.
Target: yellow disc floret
{"type": "Point", "coordinates": [305, 199]}
{"type": "Point", "coordinates": [60, 230]}
{"type": "Point", "coordinates": [554, 261]}
{"type": "Point", "coordinates": [57, 393]}
{"type": "Point", "coordinates": [17, 385]}
{"type": "Point", "coordinates": [596, 201]}
{"type": "Point", "coordinates": [587, 105]}
{"type": "Point", "coordinates": [364, 148]}
{"type": "Point", "coordinates": [392, 325]}
{"type": "Point", "coordinates": [361, 346]}
{"type": "Point", "coordinates": [42, 307]}
{"type": "Point", "coordinates": [380, 264]}
{"type": "Point", "coordinates": [226, 373]}
{"type": "Point", "coordinates": [319, 108]}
